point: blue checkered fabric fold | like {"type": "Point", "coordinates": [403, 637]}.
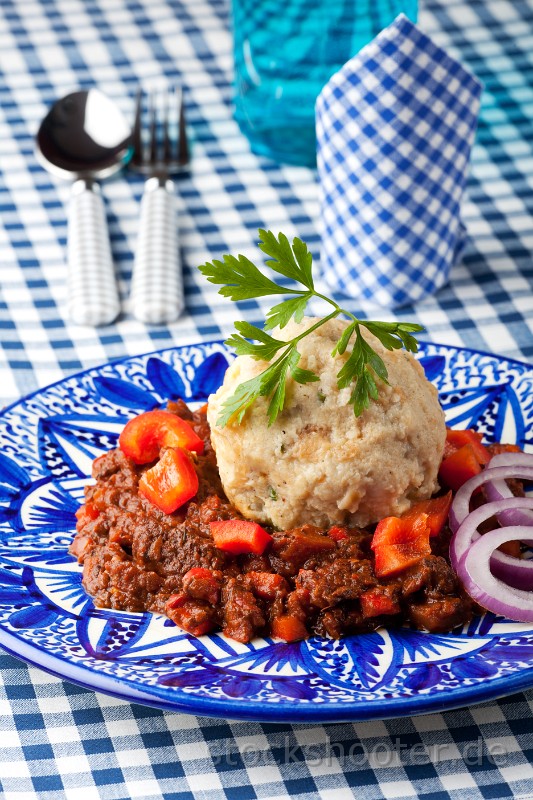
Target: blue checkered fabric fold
{"type": "Point", "coordinates": [394, 131]}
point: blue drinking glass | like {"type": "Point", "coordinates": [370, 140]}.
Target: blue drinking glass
{"type": "Point", "coordinates": [285, 51]}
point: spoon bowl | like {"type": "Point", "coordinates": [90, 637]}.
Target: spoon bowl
{"type": "Point", "coordinates": [85, 138]}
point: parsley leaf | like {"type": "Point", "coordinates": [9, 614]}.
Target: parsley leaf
{"type": "Point", "coordinates": [293, 261]}
{"type": "Point", "coordinates": [242, 278]}
{"type": "Point", "coordinates": [300, 375]}
{"type": "Point", "coordinates": [344, 341]}
{"type": "Point", "coordinates": [362, 369]}
{"type": "Point", "coordinates": [280, 315]}
{"type": "Point", "coordinates": [264, 351]}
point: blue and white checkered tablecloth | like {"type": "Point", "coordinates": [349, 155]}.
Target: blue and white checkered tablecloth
{"type": "Point", "coordinates": [61, 741]}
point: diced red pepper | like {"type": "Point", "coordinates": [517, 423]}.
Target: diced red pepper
{"type": "Point", "coordinates": [459, 467]}
{"type": "Point", "coordinates": [374, 603]}
{"type": "Point", "coordinates": [267, 585]}
{"type": "Point", "coordinates": [455, 439]}
{"type": "Point", "coordinates": [201, 584]}
{"type": "Point", "coordinates": [398, 530]}
{"type": "Point", "coordinates": [86, 513]}
{"type": "Point", "coordinates": [198, 572]}
{"type": "Point", "coordinates": [436, 509]}
{"type": "Point", "coordinates": [171, 482]}
{"type": "Point", "coordinates": [193, 616]}
{"type": "Point", "coordinates": [399, 543]}
{"type": "Point", "coordinates": [337, 533]}
{"type": "Point", "coordinates": [144, 436]}
{"type": "Point", "coordinates": [398, 557]}
{"type": "Point", "coordinates": [240, 536]}
{"type": "Point", "coordinates": [289, 628]}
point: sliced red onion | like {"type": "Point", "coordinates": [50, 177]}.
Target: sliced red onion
{"type": "Point", "coordinates": [468, 530]}
{"type": "Point", "coordinates": [516, 572]}
{"type": "Point", "coordinates": [512, 460]}
{"type": "Point", "coordinates": [484, 587]}
{"type": "Point", "coordinates": [498, 490]}
{"type": "Point", "coordinates": [461, 502]}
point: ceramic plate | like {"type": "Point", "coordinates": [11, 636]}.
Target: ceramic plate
{"type": "Point", "coordinates": [48, 443]}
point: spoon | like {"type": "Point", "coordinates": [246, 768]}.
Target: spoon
{"type": "Point", "coordinates": [85, 137]}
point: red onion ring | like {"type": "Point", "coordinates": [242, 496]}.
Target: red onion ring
{"type": "Point", "coordinates": [488, 590]}
{"type": "Point", "coordinates": [461, 503]}
{"type": "Point", "coordinates": [511, 460]}
{"type": "Point", "coordinates": [498, 490]}
{"type": "Point", "coordinates": [516, 572]}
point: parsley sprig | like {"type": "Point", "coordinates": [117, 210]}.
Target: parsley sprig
{"type": "Point", "coordinates": [242, 280]}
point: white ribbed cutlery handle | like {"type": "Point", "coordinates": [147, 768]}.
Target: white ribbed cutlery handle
{"type": "Point", "coordinates": [157, 282]}
{"type": "Point", "coordinates": [91, 287]}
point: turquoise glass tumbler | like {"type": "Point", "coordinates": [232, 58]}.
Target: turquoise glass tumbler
{"type": "Point", "coordinates": [285, 51]}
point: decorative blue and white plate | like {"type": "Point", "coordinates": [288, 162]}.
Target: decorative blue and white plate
{"type": "Point", "coordinates": [48, 441]}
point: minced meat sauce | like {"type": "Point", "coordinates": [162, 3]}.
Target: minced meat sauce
{"type": "Point", "coordinates": [137, 558]}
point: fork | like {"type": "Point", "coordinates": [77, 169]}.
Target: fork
{"type": "Point", "coordinates": [157, 283]}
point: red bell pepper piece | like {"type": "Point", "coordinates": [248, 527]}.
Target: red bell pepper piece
{"type": "Point", "coordinates": [337, 533]}
{"type": "Point", "coordinates": [455, 439]}
{"type": "Point", "coordinates": [458, 467]}
{"type": "Point", "coordinates": [398, 530]}
{"type": "Point", "coordinates": [145, 435]}
{"type": "Point", "coordinates": [171, 482]}
{"type": "Point", "coordinates": [437, 510]}
{"type": "Point", "coordinates": [398, 557]}
{"type": "Point", "coordinates": [289, 628]}
{"type": "Point", "coordinates": [399, 543]}
{"type": "Point", "coordinates": [240, 536]}
{"type": "Point", "coordinates": [374, 603]}
{"type": "Point", "coordinates": [267, 584]}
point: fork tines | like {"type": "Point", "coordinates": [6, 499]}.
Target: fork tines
{"type": "Point", "coordinates": [159, 134]}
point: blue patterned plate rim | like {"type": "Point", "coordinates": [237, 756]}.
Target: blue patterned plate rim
{"type": "Point", "coordinates": [242, 710]}
{"type": "Point", "coordinates": [114, 362]}
{"type": "Point", "coordinates": [319, 680]}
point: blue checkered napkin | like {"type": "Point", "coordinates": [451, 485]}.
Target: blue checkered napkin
{"type": "Point", "coordinates": [394, 131]}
